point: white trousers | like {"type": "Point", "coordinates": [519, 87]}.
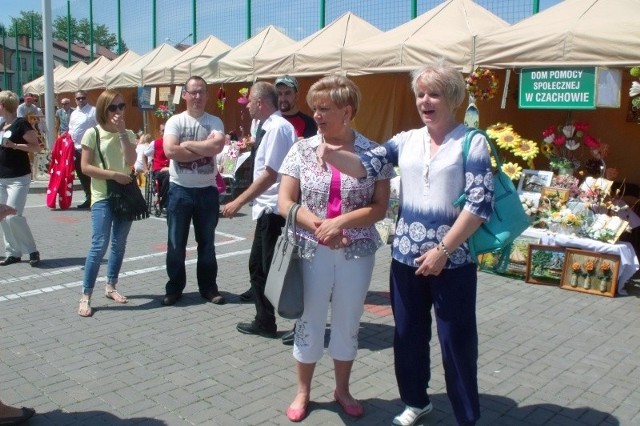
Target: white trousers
{"type": "Point", "coordinates": [330, 279]}
{"type": "Point", "coordinates": [18, 239]}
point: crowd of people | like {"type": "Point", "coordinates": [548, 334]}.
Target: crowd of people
{"type": "Point", "coordinates": [341, 182]}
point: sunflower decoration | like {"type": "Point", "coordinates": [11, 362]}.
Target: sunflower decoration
{"type": "Point", "coordinates": [526, 149]}
{"type": "Point", "coordinates": [512, 170]}
{"type": "Point", "coordinates": [514, 147]}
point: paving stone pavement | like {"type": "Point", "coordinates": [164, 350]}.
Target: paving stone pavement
{"type": "Point", "coordinates": [547, 356]}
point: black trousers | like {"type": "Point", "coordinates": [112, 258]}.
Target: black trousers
{"type": "Point", "coordinates": [85, 180]}
{"type": "Point", "coordinates": [268, 229]}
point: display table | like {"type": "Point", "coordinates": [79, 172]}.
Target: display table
{"type": "Point", "coordinates": [628, 260]}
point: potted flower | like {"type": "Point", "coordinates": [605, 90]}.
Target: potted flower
{"type": "Point", "coordinates": [605, 276]}
{"type": "Point", "coordinates": [164, 111]}
{"type": "Point", "coordinates": [590, 270]}
{"type": "Point", "coordinates": [576, 268]}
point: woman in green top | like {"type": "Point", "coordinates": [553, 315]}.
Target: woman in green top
{"type": "Point", "coordinates": [118, 148]}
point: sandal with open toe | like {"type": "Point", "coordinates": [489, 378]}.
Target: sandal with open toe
{"type": "Point", "coordinates": [115, 296]}
{"type": "Point", "coordinates": [84, 310]}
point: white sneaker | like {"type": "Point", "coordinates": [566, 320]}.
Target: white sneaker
{"type": "Point", "coordinates": [411, 415]}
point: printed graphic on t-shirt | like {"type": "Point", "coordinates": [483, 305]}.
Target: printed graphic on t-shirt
{"type": "Point", "coordinates": [201, 166]}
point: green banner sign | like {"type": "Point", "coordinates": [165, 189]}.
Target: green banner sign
{"type": "Point", "coordinates": [558, 88]}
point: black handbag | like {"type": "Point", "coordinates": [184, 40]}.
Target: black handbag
{"type": "Point", "coordinates": [126, 201]}
{"type": "Point", "coordinates": [284, 283]}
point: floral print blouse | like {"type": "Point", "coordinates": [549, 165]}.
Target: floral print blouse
{"type": "Point", "coordinates": [430, 185]}
{"type": "Point", "coordinates": [301, 163]}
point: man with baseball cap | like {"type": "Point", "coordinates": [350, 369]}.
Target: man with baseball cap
{"type": "Point", "coordinates": [287, 88]}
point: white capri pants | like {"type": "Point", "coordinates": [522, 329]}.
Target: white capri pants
{"type": "Point", "coordinates": [329, 278]}
{"type": "Point", "coordinates": [18, 239]}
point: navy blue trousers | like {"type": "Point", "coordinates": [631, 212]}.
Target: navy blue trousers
{"type": "Point", "coordinates": [453, 297]}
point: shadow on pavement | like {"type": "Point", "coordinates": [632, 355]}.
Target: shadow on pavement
{"type": "Point", "coordinates": [60, 262]}
{"type": "Point", "coordinates": [495, 410]}
{"type": "Point", "coordinates": [59, 417]}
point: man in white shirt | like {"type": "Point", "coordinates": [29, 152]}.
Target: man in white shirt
{"type": "Point", "coordinates": [274, 138]}
{"type": "Point", "coordinates": [191, 141]}
{"type": "Point", "coordinates": [82, 119]}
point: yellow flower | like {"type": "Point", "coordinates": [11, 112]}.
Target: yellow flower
{"type": "Point", "coordinates": [508, 139]}
{"type": "Point", "coordinates": [526, 149]}
{"type": "Point", "coordinates": [495, 130]}
{"type": "Point", "coordinates": [512, 170]}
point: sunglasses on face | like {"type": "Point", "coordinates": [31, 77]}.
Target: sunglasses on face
{"type": "Point", "coordinates": [115, 107]}
{"type": "Point", "coordinates": [81, 98]}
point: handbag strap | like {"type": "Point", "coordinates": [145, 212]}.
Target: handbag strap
{"type": "Point", "coordinates": [466, 145]}
{"type": "Point", "coordinates": [291, 218]}
{"type": "Point", "coordinates": [104, 165]}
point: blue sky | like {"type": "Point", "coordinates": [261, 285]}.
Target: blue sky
{"type": "Point", "coordinates": [136, 32]}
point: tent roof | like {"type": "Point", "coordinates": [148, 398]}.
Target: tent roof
{"type": "Point", "coordinates": [37, 86]}
{"type": "Point", "coordinates": [132, 74]}
{"type": "Point", "coordinates": [96, 79]}
{"type": "Point", "coordinates": [571, 33]}
{"type": "Point", "coordinates": [446, 31]}
{"type": "Point", "coordinates": [238, 64]}
{"type": "Point", "coordinates": [177, 69]}
{"type": "Point", "coordinates": [319, 53]}
{"type": "Point", "coordinates": [69, 82]}
{"type": "Point", "coordinates": [73, 69]}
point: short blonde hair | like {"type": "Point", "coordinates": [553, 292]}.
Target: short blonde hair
{"type": "Point", "coordinates": [9, 101]}
{"type": "Point", "coordinates": [342, 92]}
{"type": "Point", "coordinates": [442, 77]}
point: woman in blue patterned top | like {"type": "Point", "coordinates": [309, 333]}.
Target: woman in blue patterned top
{"type": "Point", "coordinates": [431, 264]}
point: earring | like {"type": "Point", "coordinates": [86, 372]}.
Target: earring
{"type": "Point", "coordinates": [344, 123]}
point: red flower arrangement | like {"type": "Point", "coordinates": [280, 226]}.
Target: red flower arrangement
{"type": "Point", "coordinates": [561, 144]}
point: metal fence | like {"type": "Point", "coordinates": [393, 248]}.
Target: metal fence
{"type": "Point", "coordinates": [234, 21]}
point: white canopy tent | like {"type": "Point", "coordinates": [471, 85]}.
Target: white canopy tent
{"type": "Point", "coordinates": [96, 79]}
{"type": "Point", "coordinates": [571, 33]}
{"type": "Point", "coordinates": [238, 64]}
{"type": "Point", "coordinates": [446, 31]}
{"type": "Point", "coordinates": [75, 69]}
{"type": "Point", "coordinates": [318, 54]}
{"type": "Point", "coordinates": [132, 75]}
{"type": "Point", "coordinates": [177, 69]}
{"type": "Point", "coordinates": [70, 81]}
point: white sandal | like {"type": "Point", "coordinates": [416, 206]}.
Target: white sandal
{"type": "Point", "coordinates": [115, 296]}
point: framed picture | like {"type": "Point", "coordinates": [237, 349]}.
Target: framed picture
{"type": "Point", "coordinates": [545, 265]}
{"type": "Point", "coordinates": [515, 264]}
{"type": "Point", "coordinates": [534, 180]}
{"type": "Point", "coordinates": [555, 194]}
{"type": "Point", "coordinates": [590, 272]}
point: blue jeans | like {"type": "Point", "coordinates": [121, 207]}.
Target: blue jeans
{"type": "Point", "coordinates": [202, 206]}
{"type": "Point", "coordinates": [105, 227]}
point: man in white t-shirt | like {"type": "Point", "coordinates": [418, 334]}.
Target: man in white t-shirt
{"type": "Point", "coordinates": [82, 119]}
{"type": "Point", "coordinates": [274, 138]}
{"type": "Point", "coordinates": [192, 139]}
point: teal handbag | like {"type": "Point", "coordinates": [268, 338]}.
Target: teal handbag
{"type": "Point", "coordinates": [508, 219]}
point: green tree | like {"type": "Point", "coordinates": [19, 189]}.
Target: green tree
{"type": "Point", "coordinates": [24, 24]}
{"type": "Point", "coordinates": [80, 32]}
